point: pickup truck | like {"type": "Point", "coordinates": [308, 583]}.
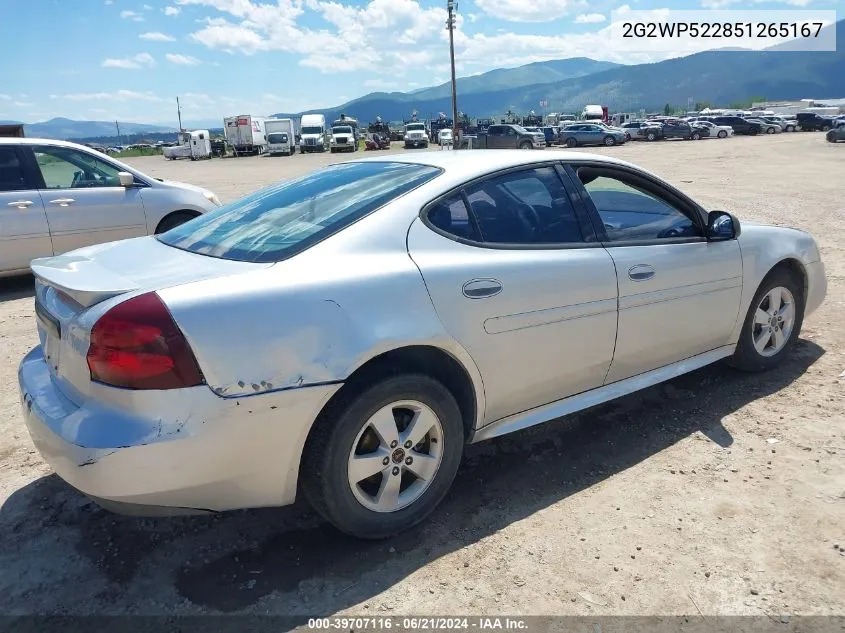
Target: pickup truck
{"type": "Point", "coordinates": [508, 137]}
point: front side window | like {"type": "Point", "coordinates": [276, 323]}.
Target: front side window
{"type": "Point", "coordinates": [67, 168]}
{"type": "Point", "coordinates": [11, 171]}
{"type": "Point", "coordinates": [630, 213]}
{"type": "Point", "coordinates": [286, 218]}
{"type": "Point", "coordinates": [527, 207]}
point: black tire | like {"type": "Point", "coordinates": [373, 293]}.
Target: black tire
{"type": "Point", "coordinates": [323, 472]}
{"type": "Point", "coordinates": [609, 141]}
{"type": "Point", "coordinates": [173, 220]}
{"type": "Point", "coordinates": [746, 357]}
{"type": "Point", "coordinates": [525, 145]}
{"type": "Point", "coordinates": [831, 136]}
{"type": "Point", "coordinates": [651, 136]}
{"type": "Point", "coordinates": [825, 128]}
{"type": "Point", "coordinates": [695, 136]}
{"type": "Point", "coordinates": [571, 142]}
{"type": "Point", "coordinates": [753, 132]}
{"type": "Point", "coordinates": [790, 128]}
{"type": "Point", "coordinates": [770, 130]}
{"type": "Point", "coordinates": [722, 134]}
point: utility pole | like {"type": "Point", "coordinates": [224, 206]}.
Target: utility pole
{"type": "Point", "coordinates": [117, 125]}
{"type": "Point", "coordinates": [450, 5]}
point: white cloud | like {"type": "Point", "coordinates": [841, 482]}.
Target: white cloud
{"type": "Point", "coordinates": [473, 17]}
{"type": "Point", "coordinates": [172, 10]}
{"type": "Point", "coordinates": [5, 97]}
{"type": "Point", "coordinates": [156, 36]}
{"type": "Point", "coordinates": [723, 4]}
{"type": "Point", "coordinates": [182, 60]}
{"type": "Point", "coordinates": [147, 7]}
{"type": "Point", "coordinates": [108, 2]}
{"type": "Point", "coordinates": [141, 60]}
{"type": "Point", "coordinates": [119, 95]}
{"type": "Point", "coordinates": [379, 84]}
{"type": "Point", "coordinates": [23, 104]}
{"type": "Point", "coordinates": [525, 10]}
{"type": "Point", "coordinates": [590, 18]}
{"type": "Point", "coordinates": [131, 15]}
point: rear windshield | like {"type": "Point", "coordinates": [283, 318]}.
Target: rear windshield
{"type": "Point", "coordinates": [287, 218]}
{"type": "Point", "coordinates": [277, 137]}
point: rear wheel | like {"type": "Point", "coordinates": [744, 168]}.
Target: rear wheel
{"type": "Point", "coordinates": [772, 323]}
{"type": "Point", "coordinates": [383, 460]}
{"type": "Point", "coordinates": [722, 133]}
{"type": "Point", "coordinates": [695, 136]}
{"type": "Point", "coordinates": [571, 142]}
{"type": "Point", "coordinates": [650, 136]}
{"type": "Point", "coordinates": [609, 141]}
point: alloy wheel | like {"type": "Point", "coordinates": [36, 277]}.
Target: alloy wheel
{"type": "Point", "coordinates": [773, 321]}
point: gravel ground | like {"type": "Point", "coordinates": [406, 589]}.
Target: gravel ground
{"type": "Point", "coordinates": [716, 493]}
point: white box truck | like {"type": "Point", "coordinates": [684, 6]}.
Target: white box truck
{"type": "Point", "coordinates": [280, 138]}
{"type": "Point", "coordinates": [314, 137]}
{"type": "Point", "coordinates": [245, 133]}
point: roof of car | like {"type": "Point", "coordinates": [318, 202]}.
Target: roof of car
{"type": "Point", "coordinates": [478, 162]}
{"type": "Point", "coordinates": [17, 140]}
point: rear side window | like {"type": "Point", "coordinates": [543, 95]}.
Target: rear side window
{"type": "Point", "coordinates": [11, 172]}
{"type": "Point", "coordinates": [284, 219]}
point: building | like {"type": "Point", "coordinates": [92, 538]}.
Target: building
{"type": "Point", "coordinates": [11, 129]}
{"type": "Point", "coordinates": [801, 105]}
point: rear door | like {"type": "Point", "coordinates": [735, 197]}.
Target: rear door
{"type": "Point", "coordinates": [679, 293]}
{"type": "Point", "coordinates": [84, 201]}
{"type": "Point", "coordinates": [517, 277]}
{"type": "Point", "coordinates": [24, 233]}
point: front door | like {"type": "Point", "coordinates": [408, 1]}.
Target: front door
{"type": "Point", "coordinates": [83, 198]}
{"type": "Point", "coordinates": [516, 280]}
{"type": "Point", "coordinates": [679, 294]}
{"type": "Point", "coordinates": [24, 234]}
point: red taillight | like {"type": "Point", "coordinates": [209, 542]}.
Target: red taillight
{"type": "Point", "coordinates": [137, 345]}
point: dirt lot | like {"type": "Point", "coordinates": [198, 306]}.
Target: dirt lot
{"type": "Point", "coordinates": [718, 493]}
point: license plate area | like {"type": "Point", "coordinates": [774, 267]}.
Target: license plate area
{"type": "Point", "coordinates": [53, 334]}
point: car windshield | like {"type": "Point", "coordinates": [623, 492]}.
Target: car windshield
{"type": "Point", "coordinates": [415, 126]}
{"type": "Point", "coordinates": [312, 129]}
{"type": "Point", "coordinates": [521, 129]}
{"type": "Point", "coordinates": [342, 130]}
{"type": "Point", "coordinates": [284, 219]}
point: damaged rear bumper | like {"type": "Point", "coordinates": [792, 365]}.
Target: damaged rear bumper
{"type": "Point", "coordinates": [175, 451]}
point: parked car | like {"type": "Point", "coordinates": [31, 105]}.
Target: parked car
{"type": "Point", "coordinates": [675, 128]}
{"type": "Point", "coordinates": [591, 134]}
{"type": "Point", "coordinates": [551, 134]}
{"type": "Point", "coordinates": [508, 136]}
{"type": "Point", "coordinates": [713, 130]}
{"type": "Point", "coordinates": [766, 126]}
{"type": "Point", "coordinates": [812, 122]}
{"type": "Point", "coordinates": [786, 124]}
{"type": "Point", "coordinates": [57, 196]}
{"type": "Point", "coordinates": [836, 134]}
{"type": "Point", "coordinates": [839, 121]}
{"type": "Point", "coordinates": [444, 137]}
{"type": "Point", "coordinates": [642, 130]}
{"type": "Point", "coordinates": [165, 387]}
{"type": "Point", "coordinates": [538, 132]}
{"type": "Point", "coordinates": [738, 124]}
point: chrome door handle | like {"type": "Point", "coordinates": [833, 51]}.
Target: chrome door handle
{"type": "Point", "coordinates": [640, 272]}
{"type": "Point", "coordinates": [481, 288]}
{"type": "Point", "coordinates": [20, 204]}
{"type": "Point", "coordinates": [62, 202]}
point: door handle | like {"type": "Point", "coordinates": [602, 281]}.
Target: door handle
{"type": "Point", "coordinates": [481, 288]}
{"type": "Point", "coordinates": [62, 202]}
{"type": "Point", "coordinates": [640, 272]}
{"type": "Point", "coordinates": [20, 204]}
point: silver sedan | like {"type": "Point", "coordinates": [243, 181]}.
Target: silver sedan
{"type": "Point", "coordinates": [346, 333]}
{"type": "Point", "coordinates": [57, 196]}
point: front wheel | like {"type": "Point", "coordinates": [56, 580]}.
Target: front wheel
{"type": "Point", "coordinates": [772, 323]}
{"type": "Point", "coordinates": [695, 136]}
{"type": "Point", "coordinates": [609, 141]}
{"type": "Point", "coordinates": [770, 130]}
{"type": "Point", "coordinates": [831, 136]}
{"type": "Point", "coordinates": [722, 134]}
{"type": "Point", "coordinates": [382, 461]}
{"type": "Point", "coordinates": [650, 136]}
{"type": "Point", "coordinates": [571, 142]}
{"type": "Point", "coordinates": [790, 128]}
{"type": "Point", "coordinates": [525, 145]}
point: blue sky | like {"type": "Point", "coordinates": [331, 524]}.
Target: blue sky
{"type": "Point", "coordinates": [129, 59]}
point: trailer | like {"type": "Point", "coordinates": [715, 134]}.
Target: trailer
{"type": "Point", "coordinates": [194, 145]}
{"type": "Point", "coordinates": [246, 134]}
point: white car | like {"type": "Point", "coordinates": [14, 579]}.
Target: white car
{"type": "Point", "coordinates": [57, 196]}
{"type": "Point", "coordinates": [444, 137]}
{"type": "Point", "coordinates": [716, 131]}
{"type": "Point", "coordinates": [345, 334]}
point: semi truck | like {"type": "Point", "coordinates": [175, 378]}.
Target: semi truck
{"type": "Point", "coordinates": [280, 137]}
{"type": "Point", "coordinates": [193, 145]}
{"type": "Point", "coordinates": [245, 134]}
{"type": "Point", "coordinates": [314, 137]}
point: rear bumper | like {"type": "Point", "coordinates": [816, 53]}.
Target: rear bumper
{"type": "Point", "coordinates": [226, 453]}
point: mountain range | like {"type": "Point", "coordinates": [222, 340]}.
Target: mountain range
{"type": "Point", "coordinates": [717, 77]}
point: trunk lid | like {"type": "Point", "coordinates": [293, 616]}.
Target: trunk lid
{"type": "Point", "coordinates": [73, 290]}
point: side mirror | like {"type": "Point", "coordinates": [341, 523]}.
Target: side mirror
{"type": "Point", "coordinates": [126, 179]}
{"type": "Point", "coordinates": [722, 226]}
